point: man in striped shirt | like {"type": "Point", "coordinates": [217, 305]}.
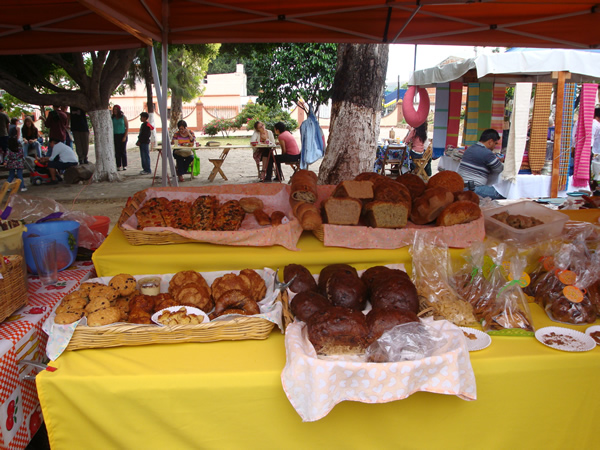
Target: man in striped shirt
{"type": "Point", "coordinates": [481, 166]}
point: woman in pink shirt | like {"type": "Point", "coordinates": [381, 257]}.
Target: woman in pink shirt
{"type": "Point", "coordinates": [289, 151]}
{"type": "Point", "coordinates": [416, 138]}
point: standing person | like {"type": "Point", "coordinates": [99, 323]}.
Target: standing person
{"type": "Point", "coordinates": [30, 136]}
{"type": "Point", "coordinates": [289, 151]}
{"type": "Point", "coordinates": [4, 123]}
{"type": "Point", "coordinates": [57, 123]}
{"type": "Point", "coordinates": [481, 166]}
{"type": "Point", "coordinates": [60, 157]}
{"type": "Point", "coordinates": [81, 134]}
{"type": "Point", "coordinates": [120, 129]}
{"type": "Point", "coordinates": [262, 136]}
{"type": "Point", "coordinates": [144, 143]}
{"type": "Point", "coordinates": [15, 161]}
{"type": "Point", "coordinates": [68, 139]}
{"type": "Point", "coordinates": [183, 137]}
{"type": "Point", "coordinates": [417, 139]}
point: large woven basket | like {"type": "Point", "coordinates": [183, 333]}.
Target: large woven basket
{"type": "Point", "coordinates": [119, 335]}
{"type": "Point", "coordinates": [13, 290]}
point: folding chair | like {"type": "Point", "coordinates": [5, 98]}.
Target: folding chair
{"type": "Point", "coordinates": [420, 164]}
{"type": "Point", "coordinates": [294, 165]}
{"type": "Point", "coordinates": [398, 163]}
{"type": "Point", "coordinates": [217, 163]}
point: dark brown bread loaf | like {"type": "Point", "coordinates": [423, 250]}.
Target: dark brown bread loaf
{"type": "Point", "coordinates": [346, 289]}
{"type": "Point", "coordinates": [304, 280]}
{"type": "Point", "coordinates": [414, 183]}
{"type": "Point", "coordinates": [328, 271]}
{"type": "Point", "coordinates": [395, 293]}
{"type": "Point", "coordinates": [305, 304]}
{"type": "Point", "coordinates": [381, 320]}
{"type": "Point", "coordinates": [338, 330]}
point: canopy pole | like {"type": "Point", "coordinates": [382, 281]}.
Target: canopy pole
{"type": "Point", "coordinates": [167, 155]}
{"type": "Point", "coordinates": [560, 94]}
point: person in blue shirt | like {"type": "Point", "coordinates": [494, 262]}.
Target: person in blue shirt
{"type": "Point", "coordinates": [481, 167]}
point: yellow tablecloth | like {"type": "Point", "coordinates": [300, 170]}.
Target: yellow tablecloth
{"type": "Point", "coordinates": [229, 395]}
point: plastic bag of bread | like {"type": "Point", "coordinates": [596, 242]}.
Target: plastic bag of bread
{"type": "Point", "coordinates": [430, 275]}
{"type": "Point", "coordinates": [566, 285]}
{"type": "Point", "coordinates": [468, 280]}
{"type": "Point", "coordinates": [507, 306]}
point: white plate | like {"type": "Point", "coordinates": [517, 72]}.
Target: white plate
{"type": "Point", "coordinates": [591, 330]}
{"type": "Point", "coordinates": [189, 310]}
{"type": "Point", "coordinates": [483, 340]}
{"type": "Point", "coordinates": [565, 339]}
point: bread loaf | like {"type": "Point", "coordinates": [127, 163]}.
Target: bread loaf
{"type": "Point", "coordinates": [448, 180]}
{"type": "Point", "coordinates": [416, 186]}
{"type": "Point", "coordinates": [382, 214]}
{"type": "Point", "coordinates": [458, 212]}
{"type": "Point", "coordinates": [304, 186]}
{"type": "Point", "coordinates": [262, 217]}
{"type": "Point", "coordinates": [362, 190]}
{"type": "Point", "coordinates": [466, 195]}
{"type": "Point", "coordinates": [391, 191]}
{"type": "Point", "coordinates": [342, 211]}
{"type": "Point", "coordinates": [428, 207]}
{"type": "Point", "coordinates": [309, 215]}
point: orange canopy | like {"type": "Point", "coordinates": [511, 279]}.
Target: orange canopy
{"type": "Point", "coordinates": [45, 26]}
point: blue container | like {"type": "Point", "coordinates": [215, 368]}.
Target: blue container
{"type": "Point", "coordinates": [66, 235]}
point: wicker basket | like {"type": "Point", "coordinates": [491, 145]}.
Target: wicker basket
{"type": "Point", "coordinates": [241, 328]}
{"type": "Point", "coordinates": [13, 290]}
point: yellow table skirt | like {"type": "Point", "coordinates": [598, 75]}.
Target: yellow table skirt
{"type": "Point", "coordinates": [229, 395]}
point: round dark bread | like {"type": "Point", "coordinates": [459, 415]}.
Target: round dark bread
{"type": "Point", "coordinates": [395, 293]}
{"type": "Point", "coordinates": [381, 320]}
{"type": "Point", "coordinates": [447, 179]}
{"type": "Point", "coordinates": [338, 329]}
{"type": "Point", "coordinates": [328, 271]}
{"type": "Point", "coordinates": [377, 274]}
{"type": "Point", "coordinates": [414, 183]}
{"type": "Point", "coordinates": [305, 304]}
{"type": "Point", "coordinates": [346, 289]}
{"type": "Point", "coordinates": [304, 280]}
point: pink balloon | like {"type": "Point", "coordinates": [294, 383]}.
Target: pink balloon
{"type": "Point", "coordinates": [412, 117]}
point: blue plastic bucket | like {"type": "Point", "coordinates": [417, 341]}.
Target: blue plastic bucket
{"type": "Point", "coordinates": [66, 235]}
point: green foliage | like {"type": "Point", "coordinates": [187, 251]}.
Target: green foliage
{"type": "Point", "coordinates": [15, 107]}
{"type": "Point", "coordinates": [223, 126]}
{"type": "Point", "coordinates": [293, 72]}
{"type": "Point", "coordinates": [269, 116]}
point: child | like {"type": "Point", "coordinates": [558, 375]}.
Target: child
{"type": "Point", "coordinates": [144, 143]}
{"type": "Point", "coordinates": [15, 161]}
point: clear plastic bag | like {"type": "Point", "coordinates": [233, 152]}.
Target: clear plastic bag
{"type": "Point", "coordinates": [32, 209]}
{"type": "Point", "coordinates": [406, 342]}
{"type": "Point", "coordinates": [430, 276]}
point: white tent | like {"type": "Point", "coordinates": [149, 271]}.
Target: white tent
{"type": "Point", "coordinates": [514, 66]}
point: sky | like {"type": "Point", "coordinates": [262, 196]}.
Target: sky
{"type": "Point", "coordinates": [401, 58]}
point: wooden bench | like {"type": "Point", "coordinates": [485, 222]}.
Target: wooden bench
{"type": "Point", "coordinates": [217, 163]}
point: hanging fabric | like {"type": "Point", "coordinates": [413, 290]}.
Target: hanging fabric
{"type": "Point", "coordinates": [313, 140]}
{"type": "Point", "coordinates": [566, 141]}
{"type": "Point", "coordinates": [440, 119]}
{"type": "Point", "coordinates": [471, 118]}
{"type": "Point", "coordinates": [484, 117]}
{"type": "Point", "coordinates": [454, 106]}
{"type": "Point", "coordinates": [498, 98]}
{"type": "Point", "coordinates": [583, 138]}
{"type": "Point", "coordinates": [517, 137]}
{"type": "Point", "coordinates": [538, 134]}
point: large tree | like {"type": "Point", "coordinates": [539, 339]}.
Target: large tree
{"type": "Point", "coordinates": [96, 74]}
{"type": "Point", "coordinates": [291, 72]}
{"type": "Point", "coordinates": [355, 116]}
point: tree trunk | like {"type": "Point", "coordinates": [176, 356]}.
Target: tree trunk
{"type": "Point", "coordinates": [355, 114]}
{"type": "Point", "coordinates": [106, 166]}
{"type": "Point", "coordinates": [176, 111]}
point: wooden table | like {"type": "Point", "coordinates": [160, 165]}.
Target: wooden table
{"type": "Point", "coordinates": [173, 148]}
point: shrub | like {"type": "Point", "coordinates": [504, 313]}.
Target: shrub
{"type": "Point", "coordinates": [269, 116]}
{"type": "Point", "coordinates": [223, 126]}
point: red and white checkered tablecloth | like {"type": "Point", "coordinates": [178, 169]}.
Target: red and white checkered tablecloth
{"type": "Point", "coordinates": [21, 337]}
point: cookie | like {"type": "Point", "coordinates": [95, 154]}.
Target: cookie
{"type": "Point", "coordinates": [67, 318]}
{"type": "Point", "coordinates": [251, 204]}
{"type": "Point", "coordinates": [123, 283]}
{"type": "Point", "coordinates": [97, 304]}
{"type": "Point", "coordinates": [85, 288]}
{"type": "Point", "coordinates": [73, 304]}
{"type": "Point", "coordinates": [103, 291]}
{"type": "Point", "coordinates": [104, 317]}
{"type": "Point", "coordinates": [73, 295]}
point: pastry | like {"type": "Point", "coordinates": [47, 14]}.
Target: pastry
{"type": "Point", "coordinates": [103, 291]}
{"type": "Point", "coordinates": [186, 276]}
{"type": "Point", "coordinates": [262, 218]}
{"type": "Point", "coordinates": [229, 216]}
{"type": "Point", "coordinates": [97, 304]}
{"type": "Point", "coordinates": [236, 299]}
{"type": "Point", "coordinates": [72, 304]}
{"type": "Point", "coordinates": [204, 210]}
{"type": "Point", "coordinates": [178, 214]}
{"type": "Point", "coordinates": [255, 284]}
{"type": "Point", "coordinates": [277, 218]}
{"type": "Point", "coordinates": [251, 204]}
{"type": "Point", "coordinates": [194, 294]}
{"type": "Point", "coordinates": [226, 283]}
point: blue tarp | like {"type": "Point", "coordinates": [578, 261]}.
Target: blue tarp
{"type": "Point", "coordinates": [390, 97]}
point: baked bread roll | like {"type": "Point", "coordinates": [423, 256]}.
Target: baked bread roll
{"type": "Point", "coordinates": [305, 304]}
{"type": "Point", "coordinates": [308, 214]}
{"type": "Point", "coordinates": [347, 290]}
{"type": "Point", "coordinates": [338, 331]}
{"type": "Point", "coordinates": [303, 281]}
{"type": "Point", "coordinates": [277, 218]}
{"type": "Point", "coordinates": [395, 293]}
{"type": "Point", "coordinates": [328, 271]}
{"type": "Point", "coordinates": [251, 204]}
{"type": "Point", "coordinates": [304, 186]}
{"type": "Point", "coordinates": [342, 211]}
{"type": "Point", "coordinates": [415, 185]}
{"type": "Point", "coordinates": [448, 180]}
{"type": "Point", "coordinates": [458, 212]}
{"type": "Point", "coordinates": [466, 195]}
{"type": "Point", "coordinates": [429, 206]}
{"type": "Point", "coordinates": [386, 214]}
{"type": "Point", "coordinates": [261, 217]}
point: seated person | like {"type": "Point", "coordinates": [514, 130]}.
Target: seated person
{"type": "Point", "coordinates": [417, 138]}
{"type": "Point", "coordinates": [261, 136]}
{"type": "Point", "coordinates": [60, 157]}
{"type": "Point", "coordinates": [30, 136]}
{"type": "Point", "coordinates": [481, 166]}
{"type": "Point", "coordinates": [289, 151]}
{"type": "Point", "coordinates": [183, 137]}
